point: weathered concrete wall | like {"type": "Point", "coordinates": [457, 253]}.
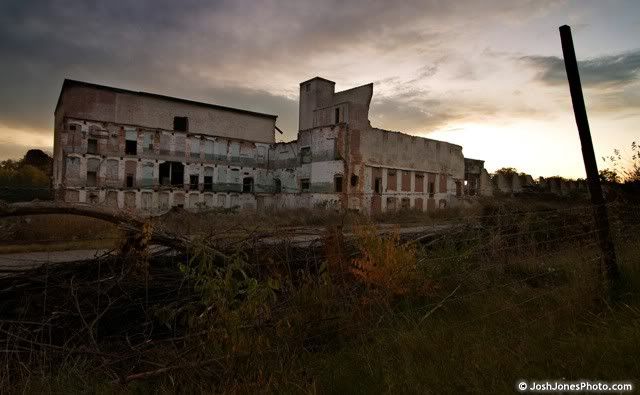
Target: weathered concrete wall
{"type": "Point", "coordinates": [148, 111]}
{"type": "Point", "coordinates": [118, 149]}
{"type": "Point", "coordinates": [398, 150]}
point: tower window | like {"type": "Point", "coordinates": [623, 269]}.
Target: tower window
{"type": "Point", "coordinates": [337, 115]}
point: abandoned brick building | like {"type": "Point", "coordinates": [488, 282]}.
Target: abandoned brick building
{"type": "Point", "coordinates": [138, 150]}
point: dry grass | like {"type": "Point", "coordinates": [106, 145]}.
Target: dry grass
{"type": "Point", "coordinates": [55, 233]}
{"type": "Point", "coordinates": [517, 294]}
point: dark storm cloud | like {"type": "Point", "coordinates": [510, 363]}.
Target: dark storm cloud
{"type": "Point", "coordinates": [217, 51]}
{"type": "Point", "coordinates": [606, 71]}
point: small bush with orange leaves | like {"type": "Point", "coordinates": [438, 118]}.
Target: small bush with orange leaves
{"type": "Point", "coordinates": [385, 264]}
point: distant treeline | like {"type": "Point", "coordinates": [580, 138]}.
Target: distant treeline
{"type": "Point", "coordinates": [26, 179]}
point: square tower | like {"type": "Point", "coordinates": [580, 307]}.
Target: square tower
{"type": "Point", "coordinates": [314, 94]}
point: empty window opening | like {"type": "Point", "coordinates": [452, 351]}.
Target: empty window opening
{"type": "Point", "coordinates": [92, 179]}
{"type": "Point", "coordinates": [222, 175]}
{"type": "Point", "coordinates": [247, 185]}
{"type": "Point", "coordinates": [129, 180]}
{"type": "Point", "coordinates": [193, 181]}
{"type": "Point", "coordinates": [261, 154]}
{"type": "Point", "coordinates": [208, 183]}
{"type": "Point", "coordinates": [165, 144]}
{"type": "Point", "coordinates": [208, 149]}
{"type": "Point", "coordinates": [305, 185]}
{"type": "Point", "coordinates": [147, 143]}
{"type": "Point", "coordinates": [181, 124]}
{"type": "Point", "coordinates": [337, 115]}
{"type": "Point", "coordinates": [235, 176]}
{"type": "Point", "coordinates": [405, 204]}
{"type": "Point", "coordinates": [92, 146]}
{"type": "Point", "coordinates": [305, 154]}
{"type": "Point", "coordinates": [147, 175]}
{"type": "Point", "coordinates": [171, 173]}
{"type": "Point", "coordinates": [419, 185]}
{"type": "Point", "coordinates": [354, 180]}
{"type": "Point", "coordinates": [391, 204]}
{"type": "Point", "coordinates": [277, 185]}
{"type": "Point", "coordinates": [194, 148]}
{"type": "Point", "coordinates": [432, 188]}
{"type": "Point", "coordinates": [337, 181]}
{"type": "Point", "coordinates": [391, 180]}
{"type": "Point", "coordinates": [378, 185]}
{"type": "Point", "coordinates": [131, 142]}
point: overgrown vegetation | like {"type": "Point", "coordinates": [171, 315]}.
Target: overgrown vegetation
{"type": "Point", "coordinates": [508, 293]}
{"type": "Point", "coordinates": [26, 179]}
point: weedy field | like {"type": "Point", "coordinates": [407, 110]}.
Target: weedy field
{"type": "Point", "coordinates": [510, 291]}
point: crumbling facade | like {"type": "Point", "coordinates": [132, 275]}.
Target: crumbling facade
{"type": "Point", "coordinates": [141, 151]}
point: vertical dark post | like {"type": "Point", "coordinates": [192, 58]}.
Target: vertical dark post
{"type": "Point", "coordinates": [593, 179]}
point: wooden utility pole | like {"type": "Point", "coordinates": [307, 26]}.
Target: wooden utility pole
{"type": "Point", "coordinates": [589, 157]}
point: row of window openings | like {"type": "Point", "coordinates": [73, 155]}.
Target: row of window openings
{"type": "Point", "coordinates": [131, 148]}
{"type": "Point", "coordinates": [419, 180]}
{"type": "Point", "coordinates": [170, 174]}
{"type": "Point", "coordinates": [247, 182]}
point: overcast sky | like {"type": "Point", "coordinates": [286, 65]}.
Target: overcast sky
{"type": "Point", "coordinates": [484, 74]}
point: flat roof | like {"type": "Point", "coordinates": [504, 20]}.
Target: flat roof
{"type": "Point", "coordinates": [69, 83]}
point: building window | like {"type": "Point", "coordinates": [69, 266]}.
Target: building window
{"type": "Point", "coordinates": [391, 180]}
{"type": "Point", "coordinates": [131, 142]}
{"type": "Point", "coordinates": [194, 148]}
{"type": "Point", "coordinates": [171, 173]}
{"type": "Point", "coordinates": [419, 185]}
{"type": "Point", "coordinates": [277, 185]}
{"type": "Point", "coordinates": [337, 115]}
{"type": "Point", "coordinates": [432, 188]}
{"type": "Point", "coordinates": [193, 181]}
{"type": "Point", "coordinates": [181, 124]}
{"type": "Point", "coordinates": [354, 180]}
{"type": "Point", "coordinates": [129, 180]}
{"type": "Point", "coordinates": [147, 143]}
{"type": "Point", "coordinates": [378, 185]}
{"type": "Point", "coordinates": [405, 204]}
{"type": "Point", "coordinates": [92, 179]}
{"type": "Point", "coordinates": [92, 146]}
{"type": "Point", "coordinates": [208, 183]}
{"type": "Point", "coordinates": [337, 181]}
{"type": "Point", "coordinates": [261, 154]}
{"type": "Point", "coordinates": [305, 185]}
{"type": "Point", "coordinates": [147, 175]}
{"type": "Point", "coordinates": [247, 185]}
{"type": "Point", "coordinates": [391, 204]}
{"type": "Point", "coordinates": [305, 154]}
